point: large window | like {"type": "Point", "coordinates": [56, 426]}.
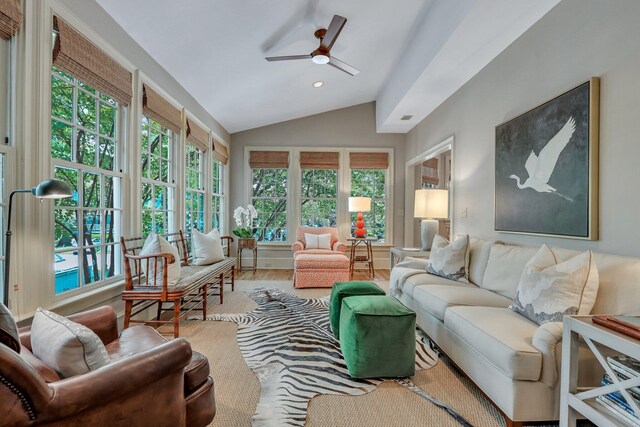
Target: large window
{"type": "Point", "coordinates": [371, 183]}
{"type": "Point", "coordinates": [85, 147]}
{"type": "Point", "coordinates": [319, 197]}
{"type": "Point", "coordinates": [195, 193]}
{"type": "Point", "coordinates": [217, 195]}
{"type": "Point", "coordinates": [269, 197]}
{"type": "Point", "coordinates": [158, 188]}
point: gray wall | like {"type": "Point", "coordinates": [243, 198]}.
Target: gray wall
{"type": "Point", "coordinates": [103, 24]}
{"type": "Point", "coordinates": [574, 41]}
{"type": "Point", "coordinates": [347, 127]}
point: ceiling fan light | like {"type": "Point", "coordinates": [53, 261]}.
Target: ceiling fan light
{"type": "Point", "coordinates": [319, 83]}
{"type": "Point", "coordinates": [320, 59]}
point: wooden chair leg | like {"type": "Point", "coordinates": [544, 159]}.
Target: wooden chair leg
{"type": "Point", "coordinates": [221, 288]}
{"type": "Point", "coordinates": [204, 302]}
{"type": "Point", "coordinates": [233, 278]}
{"type": "Point", "coordinates": [159, 310]}
{"type": "Point", "coordinates": [176, 318]}
{"type": "Point", "coordinates": [128, 305]}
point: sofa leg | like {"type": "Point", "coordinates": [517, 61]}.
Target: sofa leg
{"type": "Point", "coordinates": [176, 318]}
{"type": "Point", "coordinates": [510, 423]}
{"type": "Point", "coordinates": [128, 305]}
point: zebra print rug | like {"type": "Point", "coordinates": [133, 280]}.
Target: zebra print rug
{"type": "Point", "coordinates": [287, 342]}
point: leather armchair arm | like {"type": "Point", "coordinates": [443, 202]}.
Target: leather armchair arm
{"type": "Point", "coordinates": [297, 246]}
{"type": "Point", "coordinates": [103, 321]}
{"type": "Point", "coordinates": [547, 339]}
{"type": "Point", "coordinates": [338, 246]}
{"type": "Point", "coordinates": [118, 379]}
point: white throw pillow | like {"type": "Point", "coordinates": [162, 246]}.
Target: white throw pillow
{"type": "Point", "coordinates": [310, 241]}
{"type": "Point", "coordinates": [156, 244]}
{"type": "Point", "coordinates": [65, 346]}
{"type": "Point", "coordinates": [449, 260]}
{"type": "Point", "coordinates": [207, 248]}
{"type": "Point", "coordinates": [324, 241]}
{"type": "Point", "coordinates": [549, 290]}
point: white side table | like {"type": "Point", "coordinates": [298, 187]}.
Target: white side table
{"type": "Point", "coordinates": [397, 254]}
{"type": "Point", "coordinates": [575, 400]}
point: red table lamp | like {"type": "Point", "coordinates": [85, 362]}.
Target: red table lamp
{"type": "Point", "coordinates": [359, 204]}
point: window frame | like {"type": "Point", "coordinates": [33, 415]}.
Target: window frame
{"type": "Point", "coordinates": [294, 185]}
{"type": "Point", "coordinates": [218, 192]}
{"type": "Point", "coordinates": [286, 198]}
{"type": "Point", "coordinates": [120, 140]}
{"type": "Point", "coordinates": [313, 199]}
{"type": "Point", "coordinates": [171, 185]}
{"type": "Point", "coordinates": [201, 191]}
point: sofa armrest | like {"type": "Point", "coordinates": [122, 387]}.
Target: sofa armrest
{"type": "Point", "coordinates": [338, 246]}
{"type": "Point", "coordinates": [120, 379]}
{"type": "Point", "coordinates": [546, 340]}
{"type": "Point", "coordinates": [415, 263]}
{"type": "Point", "coordinates": [297, 246]}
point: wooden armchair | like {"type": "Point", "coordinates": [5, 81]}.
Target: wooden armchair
{"type": "Point", "coordinates": [188, 294]}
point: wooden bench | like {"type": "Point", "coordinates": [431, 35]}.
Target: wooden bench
{"type": "Point", "coordinates": [196, 282]}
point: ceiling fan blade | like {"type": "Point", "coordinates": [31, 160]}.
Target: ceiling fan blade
{"type": "Point", "coordinates": [336, 63]}
{"type": "Point", "coordinates": [337, 23]}
{"type": "Point", "coordinates": [287, 58]}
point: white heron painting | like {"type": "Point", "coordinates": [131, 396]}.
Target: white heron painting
{"type": "Point", "coordinates": [544, 181]}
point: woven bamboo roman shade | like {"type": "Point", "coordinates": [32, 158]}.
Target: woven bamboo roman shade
{"type": "Point", "coordinates": [220, 152]}
{"type": "Point", "coordinates": [369, 160]}
{"type": "Point", "coordinates": [76, 55]}
{"type": "Point", "coordinates": [159, 109]}
{"type": "Point", "coordinates": [197, 136]}
{"type": "Point", "coordinates": [269, 159]}
{"type": "Point", "coordinates": [319, 160]}
{"type": "Point", "coordinates": [10, 18]}
{"type": "Point", "coordinates": [430, 172]}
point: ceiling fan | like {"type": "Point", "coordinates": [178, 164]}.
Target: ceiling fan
{"type": "Point", "coordinates": [322, 54]}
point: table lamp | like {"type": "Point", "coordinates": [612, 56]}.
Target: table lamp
{"type": "Point", "coordinates": [359, 204]}
{"type": "Point", "coordinates": [47, 189]}
{"type": "Point", "coordinates": [430, 205]}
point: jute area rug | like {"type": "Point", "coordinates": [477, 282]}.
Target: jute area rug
{"type": "Point", "coordinates": [237, 389]}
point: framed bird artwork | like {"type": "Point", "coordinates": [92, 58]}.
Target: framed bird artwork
{"type": "Point", "coordinates": [546, 162]}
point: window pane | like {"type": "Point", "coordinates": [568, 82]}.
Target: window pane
{"type": "Point", "coordinates": [65, 265]}
{"type": "Point", "coordinates": [61, 99]}
{"type": "Point", "coordinates": [91, 194]}
{"type": "Point", "coordinates": [113, 263]}
{"type": "Point", "coordinates": [86, 110]}
{"type": "Point", "coordinates": [92, 221]}
{"type": "Point", "coordinates": [107, 153]}
{"type": "Point", "coordinates": [111, 218]}
{"type": "Point", "coordinates": [92, 265]}
{"type": "Point", "coordinates": [86, 148]}
{"type": "Point", "coordinates": [61, 140]}
{"type": "Point", "coordinates": [69, 176]}
{"type": "Point", "coordinates": [371, 183]}
{"type": "Point", "coordinates": [107, 120]}
{"type": "Point", "coordinates": [66, 228]}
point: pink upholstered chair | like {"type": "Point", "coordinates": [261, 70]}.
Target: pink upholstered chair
{"type": "Point", "coordinates": [300, 245]}
{"type": "Point", "coordinates": [319, 268]}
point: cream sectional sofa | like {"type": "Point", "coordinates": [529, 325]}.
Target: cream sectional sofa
{"type": "Point", "coordinates": [514, 361]}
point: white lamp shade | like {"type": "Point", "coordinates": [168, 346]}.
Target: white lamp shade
{"type": "Point", "coordinates": [359, 204]}
{"type": "Point", "coordinates": [431, 203]}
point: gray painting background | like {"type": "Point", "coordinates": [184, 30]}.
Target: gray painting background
{"type": "Point", "coordinates": [527, 210]}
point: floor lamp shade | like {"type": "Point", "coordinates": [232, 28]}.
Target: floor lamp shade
{"type": "Point", "coordinates": [430, 204]}
{"type": "Point", "coordinates": [47, 189]}
{"type": "Point", "coordinates": [360, 204]}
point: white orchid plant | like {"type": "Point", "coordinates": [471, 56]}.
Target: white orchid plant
{"type": "Point", "coordinates": [244, 220]}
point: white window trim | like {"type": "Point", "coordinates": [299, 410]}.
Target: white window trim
{"type": "Point", "coordinates": [294, 177]}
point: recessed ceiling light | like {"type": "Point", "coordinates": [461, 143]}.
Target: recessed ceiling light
{"type": "Point", "coordinates": [406, 117]}
{"type": "Point", "coordinates": [318, 84]}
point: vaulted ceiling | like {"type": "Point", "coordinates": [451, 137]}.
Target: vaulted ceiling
{"type": "Point", "coordinates": [412, 54]}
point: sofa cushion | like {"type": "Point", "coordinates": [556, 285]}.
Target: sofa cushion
{"type": "Point", "coordinates": [504, 268]}
{"type": "Point", "coordinates": [500, 336]}
{"type": "Point", "coordinates": [437, 298]}
{"type": "Point", "coordinates": [479, 251]}
{"type": "Point", "coordinates": [428, 280]}
{"type": "Point", "coordinates": [321, 261]}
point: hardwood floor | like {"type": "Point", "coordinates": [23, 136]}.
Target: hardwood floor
{"type": "Point", "coordinates": [270, 274]}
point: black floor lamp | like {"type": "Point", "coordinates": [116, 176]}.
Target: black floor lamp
{"type": "Point", "coordinates": [48, 189]}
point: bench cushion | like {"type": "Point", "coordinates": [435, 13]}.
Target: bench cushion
{"type": "Point", "coordinates": [437, 298]}
{"type": "Point", "coordinates": [500, 336]}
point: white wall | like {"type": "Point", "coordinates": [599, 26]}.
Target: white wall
{"type": "Point", "coordinates": [352, 127]}
{"type": "Point", "coordinates": [574, 41]}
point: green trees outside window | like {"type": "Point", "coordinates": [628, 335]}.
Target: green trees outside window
{"type": "Point", "coordinates": [319, 197]}
{"type": "Point", "coordinates": [84, 149]}
{"type": "Point", "coordinates": [195, 193]}
{"type": "Point", "coordinates": [217, 195]}
{"type": "Point", "coordinates": [371, 183]}
{"type": "Point", "coordinates": [269, 197]}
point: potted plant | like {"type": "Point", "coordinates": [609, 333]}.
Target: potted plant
{"type": "Point", "coordinates": [244, 220]}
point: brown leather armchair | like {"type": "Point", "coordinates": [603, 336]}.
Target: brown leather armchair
{"type": "Point", "coordinates": [149, 382]}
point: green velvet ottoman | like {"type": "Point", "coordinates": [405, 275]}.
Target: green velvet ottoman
{"type": "Point", "coordinates": [341, 290]}
{"type": "Point", "coordinates": [377, 337]}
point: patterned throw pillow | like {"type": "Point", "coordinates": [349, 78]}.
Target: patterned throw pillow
{"type": "Point", "coordinates": [449, 260]}
{"type": "Point", "coordinates": [549, 290]}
